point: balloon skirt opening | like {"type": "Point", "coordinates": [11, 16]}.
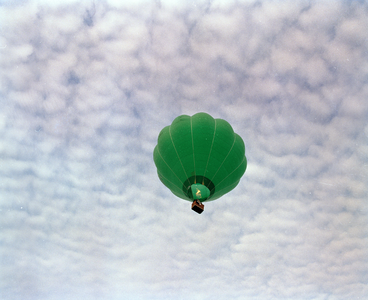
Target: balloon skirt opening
{"type": "Point", "coordinates": [197, 181]}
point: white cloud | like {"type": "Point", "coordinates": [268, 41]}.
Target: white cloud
{"type": "Point", "coordinates": [86, 89]}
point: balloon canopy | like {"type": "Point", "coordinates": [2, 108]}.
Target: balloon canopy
{"type": "Point", "coordinates": [199, 157]}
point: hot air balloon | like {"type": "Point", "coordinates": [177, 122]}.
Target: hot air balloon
{"type": "Point", "coordinates": [199, 158]}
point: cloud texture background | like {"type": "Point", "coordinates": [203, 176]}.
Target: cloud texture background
{"type": "Point", "coordinates": [87, 87]}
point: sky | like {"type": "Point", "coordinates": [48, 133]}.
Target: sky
{"type": "Point", "coordinates": [86, 87]}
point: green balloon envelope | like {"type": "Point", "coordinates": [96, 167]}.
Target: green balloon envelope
{"type": "Point", "coordinates": [199, 157]}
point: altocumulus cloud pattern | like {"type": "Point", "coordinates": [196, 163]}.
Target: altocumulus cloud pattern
{"type": "Point", "coordinates": [86, 87]}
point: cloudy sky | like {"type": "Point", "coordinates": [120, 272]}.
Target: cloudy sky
{"type": "Point", "coordinates": [86, 87]}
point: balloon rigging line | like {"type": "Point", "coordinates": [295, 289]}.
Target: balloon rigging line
{"type": "Point", "coordinates": [194, 165]}
{"type": "Point", "coordinates": [177, 154]}
{"type": "Point", "coordinates": [224, 158]}
{"type": "Point", "coordinates": [158, 150]}
{"type": "Point", "coordinates": [209, 155]}
{"type": "Point", "coordinates": [179, 188]}
{"type": "Point", "coordinates": [228, 176]}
